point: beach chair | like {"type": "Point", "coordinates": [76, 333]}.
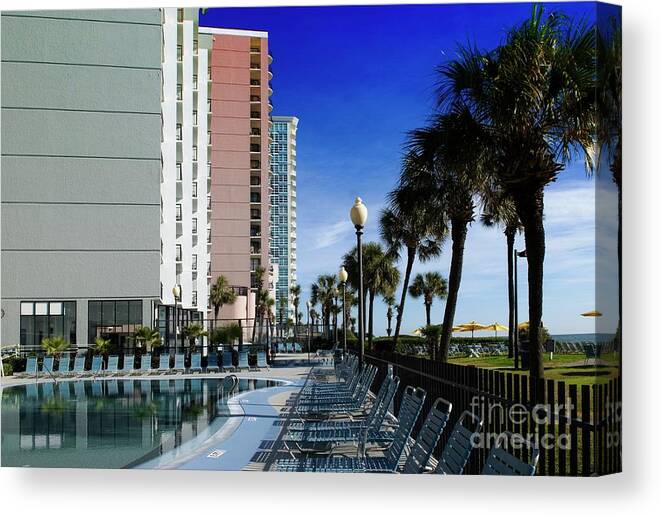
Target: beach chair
{"type": "Point", "coordinates": [30, 368]}
{"type": "Point", "coordinates": [460, 445]}
{"type": "Point", "coordinates": [64, 365]}
{"type": "Point", "coordinates": [428, 437]}
{"type": "Point", "coordinates": [79, 365]}
{"type": "Point", "coordinates": [243, 361]}
{"type": "Point", "coordinates": [261, 360]}
{"type": "Point", "coordinates": [127, 366]}
{"type": "Point", "coordinates": [297, 348]}
{"type": "Point", "coordinates": [290, 347]}
{"type": "Point", "coordinates": [195, 363]}
{"type": "Point", "coordinates": [387, 463]}
{"type": "Point", "coordinates": [113, 366]}
{"type": "Point", "coordinates": [97, 365]}
{"type": "Point", "coordinates": [212, 362]}
{"type": "Point", "coordinates": [145, 365]}
{"type": "Point", "coordinates": [163, 364]}
{"type": "Point", "coordinates": [501, 462]}
{"type": "Point", "coordinates": [227, 361]}
{"type": "Point", "coordinates": [179, 364]}
{"type": "Point", "coordinates": [48, 365]}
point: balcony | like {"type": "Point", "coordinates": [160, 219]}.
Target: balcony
{"type": "Point", "coordinates": [255, 215]}
{"type": "Point", "coordinates": [255, 82]}
{"type": "Point", "coordinates": [255, 165]}
{"type": "Point", "coordinates": [255, 66]}
{"type": "Point", "coordinates": [255, 198]}
{"type": "Point", "coordinates": [255, 147]}
{"type": "Point", "coordinates": [255, 115]}
{"type": "Point", "coordinates": [255, 132]}
{"type": "Point", "coordinates": [255, 181]}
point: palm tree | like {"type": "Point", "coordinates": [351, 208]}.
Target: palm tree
{"type": "Point", "coordinates": [147, 337]}
{"type": "Point", "coordinates": [221, 293]}
{"type": "Point", "coordinates": [499, 211]}
{"type": "Point", "coordinates": [323, 293]}
{"type": "Point", "coordinates": [412, 225]}
{"type": "Point", "coordinates": [428, 286]}
{"type": "Point", "coordinates": [101, 346]}
{"type": "Point", "coordinates": [380, 276]}
{"type": "Point", "coordinates": [389, 300]}
{"type": "Point", "coordinates": [452, 179]}
{"type": "Point", "coordinates": [55, 345]}
{"type": "Point", "coordinates": [283, 303]}
{"type": "Point", "coordinates": [193, 332]}
{"type": "Point", "coordinates": [259, 285]}
{"type": "Point", "coordinates": [295, 292]}
{"type": "Point", "coordinates": [534, 97]}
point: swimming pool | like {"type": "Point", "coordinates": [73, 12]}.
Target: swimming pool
{"type": "Point", "coordinates": [110, 423]}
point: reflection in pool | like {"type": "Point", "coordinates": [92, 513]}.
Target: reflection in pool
{"type": "Point", "coordinates": [108, 423]}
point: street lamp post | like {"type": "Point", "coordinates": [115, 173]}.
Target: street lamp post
{"type": "Point", "coordinates": [309, 305]}
{"type": "Point", "coordinates": [176, 292]}
{"type": "Point", "coordinates": [358, 215]}
{"type": "Point", "coordinates": [343, 276]}
{"type": "Point", "coordinates": [517, 255]}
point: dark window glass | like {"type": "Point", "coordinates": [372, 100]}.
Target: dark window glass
{"type": "Point", "coordinates": [94, 309]}
{"type": "Point", "coordinates": [69, 321]}
{"type": "Point", "coordinates": [135, 314]}
{"type": "Point", "coordinates": [121, 312]}
{"type": "Point", "coordinates": [108, 315]}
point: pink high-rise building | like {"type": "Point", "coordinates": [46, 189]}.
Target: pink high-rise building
{"type": "Point", "coordinates": [239, 131]}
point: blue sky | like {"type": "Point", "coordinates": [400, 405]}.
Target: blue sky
{"type": "Point", "coordinates": [359, 78]}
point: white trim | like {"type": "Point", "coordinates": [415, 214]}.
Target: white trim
{"type": "Point", "coordinates": [234, 32]}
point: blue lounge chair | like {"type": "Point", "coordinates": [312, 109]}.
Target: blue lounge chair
{"type": "Point", "coordinates": [227, 361]}
{"type": "Point", "coordinates": [145, 365]}
{"type": "Point", "coordinates": [30, 368]}
{"type": "Point", "coordinates": [127, 366]}
{"type": "Point", "coordinates": [163, 364]}
{"type": "Point", "coordinates": [290, 347]}
{"type": "Point", "coordinates": [460, 445]}
{"type": "Point", "coordinates": [297, 348]}
{"type": "Point", "coordinates": [79, 365]}
{"type": "Point", "coordinates": [64, 365]}
{"type": "Point", "coordinates": [212, 362]}
{"type": "Point", "coordinates": [113, 365]}
{"type": "Point", "coordinates": [388, 463]}
{"type": "Point", "coordinates": [195, 363]}
{"type": "Point", "coordinates": [261, 360]}
{"type": "Point", "coordinates": [243, 361]}
{"type": "Point", "coordinates": [501, 462]}
{"type": "Point", "coordinates": [48, 365]}
{"type": "Point", "coordinates": [428, 437]}
{"type": "Point", "coordinates": [97, 365]}
{"type": "Point", "coordinates": [179, 364]}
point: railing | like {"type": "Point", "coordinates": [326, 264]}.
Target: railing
{"type": "Point", "coordinates": [577, 427]}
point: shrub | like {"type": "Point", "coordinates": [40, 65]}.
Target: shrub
{"type": "Point", "coordinates": [7, 368]}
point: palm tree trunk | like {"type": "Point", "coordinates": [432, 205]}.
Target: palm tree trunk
{"type": "Point", "coordinates": [510, 233]}
{"type": "Point", "coordinates": [531, 213]}
{"type": "Point", "coordinates": [410, 258]}
{"type": "Point", "coordinates": [458, 232]}
{"type": "Point", "coordinates": [428, 311]}
{"type": "Point", "coordinates": [371, 320]}
{"type": "Point", "coordinates": [295, 322]}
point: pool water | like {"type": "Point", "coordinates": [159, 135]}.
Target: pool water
{"type": "Point", "coordinates": [109, 423]}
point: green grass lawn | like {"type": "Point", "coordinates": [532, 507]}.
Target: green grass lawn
{"type": "Point", "coordinates": [569, 368]}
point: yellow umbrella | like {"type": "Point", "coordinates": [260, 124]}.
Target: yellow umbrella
{"type": "Point", "coordinates": [417, 331]}
{"type": "Point", "coordinates": [593, 313]}
{"type": "Point", "coordinates": [524, 325]}
{"type": "Point", "coordinates": [471, 327]}
{"type": "Point", "coordinates": [496, 327]}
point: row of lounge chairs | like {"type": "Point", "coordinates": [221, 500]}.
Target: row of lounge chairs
{"type": "Point", "coordinates": [130, 366]}
{"type": "Point", "coordinates": [327, 415]}
{"type": "Point", "coordinates": [288, 347]}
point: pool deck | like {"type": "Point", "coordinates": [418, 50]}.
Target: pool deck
{"type": "Point", "coordinates": [236, 442]}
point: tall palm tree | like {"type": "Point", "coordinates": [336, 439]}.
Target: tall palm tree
{"type": "Point", "coordinates": [323, 293]}
{"type": "Point", "coordinates": [453, 179]}
{"type": "Point", "coordinates": [380, 276]}
{"type": "Point", "coordinates": [295, 292]}
{"type": "Point", "coordinates": [499, 211]}
{"type": "Point", "coordinates": [428, 286]}
{"type": "Point", "coordinates": [283, 303]}
{"type": "Point", "coordinates": [389, 300]}
{"type": "Point", "coordinates": [412, 225]}
{"type": "Point", "coordinates": [534, 95]}
{"type": "Point", "coordinates": [221, 293]}
{"type": "Point", "coordinates": [259, 285]}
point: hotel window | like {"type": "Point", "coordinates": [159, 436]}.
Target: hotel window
{"type": "Point", "coordinates": [120, 318]}
{"type": "Point", "coordinates": [194, 300]}
{"type": "Point", "coordinates": [178, 132]}
{"type": "Point", "coordinates": [178, 254]}
{"type": "Point", "coordinates": [208, 202]}
{"type": "Point", "coordinates": [195, 45]}
{"type": "Point", "coordinates": [43, 319]}
{"type": "Point", "coordinates": [194, 117]}
{"type": "Point", "coordinates": [208, 169]}
{"type": "Point", "coordinates": [194, 226]}
{"type": "Point", "coordinates": [180, 15]}
{"type": "Point", "coordinates": [180, 92]}
{"type": "Point", "coordinates": [194, 82]}
{"type": "Point", "coordinates": [178, 171]}
{"type": "Point", "coordinates": [194, 152]}
{"type": "Point", "coordinates": [194, 264]}
{"type": "Point", "coordinates": [195, 190]}
{"type": "Point", "coordinates": [208, 268]}
{"type": "Point", "coordinates": [209, 103]}
{"type": "Point", "coordinates": [208, 236]}
{"type": "Point", "coordinates": [209, 137]}
{"type": "Point", "coordinates": [180, 52]}
{"type": "Point", "coordinates": [178, 212]}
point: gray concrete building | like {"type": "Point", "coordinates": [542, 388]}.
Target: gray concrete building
{"type": "Point", "coordinates": [81, 165]}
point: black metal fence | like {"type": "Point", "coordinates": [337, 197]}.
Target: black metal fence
{"type": "Point", "coordinates": [577, 428]}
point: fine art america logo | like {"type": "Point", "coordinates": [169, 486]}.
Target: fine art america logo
{"type": "Point", "coordinates": [552, 418]}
